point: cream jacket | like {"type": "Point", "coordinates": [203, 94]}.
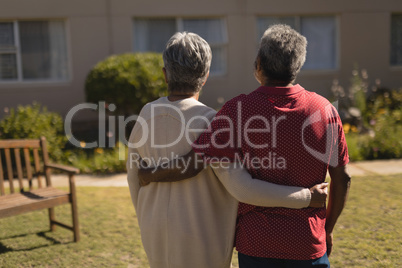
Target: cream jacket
{"type": "Point", "coordinates": [192, 223]}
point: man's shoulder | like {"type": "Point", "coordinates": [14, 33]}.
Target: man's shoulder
{"type": "Point", "coordinates": [233, 103]}
{"type": "Point", "coordinates": [315, 97]}
{"type": "Point", "coordinates": [318, 102]}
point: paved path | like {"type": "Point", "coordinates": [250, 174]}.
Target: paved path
{"type": "Point", "coordinates": [363, 168]}
{"type": "Point", "coordinates": [378, 167]}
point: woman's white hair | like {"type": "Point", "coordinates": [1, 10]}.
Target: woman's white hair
{"type": "Point", "coordinates": [187, 59]}
{"type": "Point", "coordinates": [282, 53]}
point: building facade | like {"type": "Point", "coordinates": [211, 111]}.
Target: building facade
{"type": "Point", "coordinates": [47, 47]}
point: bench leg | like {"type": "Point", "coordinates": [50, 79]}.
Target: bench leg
{"type": "Point", "coordinates": [76, 228]}
{"type": "Point", "coordinates": [74, 210]}
{"type": "Point", "coordinates": [52, 218]}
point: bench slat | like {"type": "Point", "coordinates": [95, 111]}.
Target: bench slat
{"type": "Point", "coordinates": [4, 144]}
{"type": "Point", "coordinates": [45, 158]}
{"type": "Point", "coordinates": [18, 203]}
{"type": "Point", "coordinates": [37, 167]}
{"type": "Point", "coordinates": [19, 167]}
{"type": "Point", "coordinates": [9, 169]}
{"type": "Point", "coordinates": [12, 211]}
{"type": "Point", "coordinates": [35, 195]}
{"type": "Point", "coordinates": [28, 167]}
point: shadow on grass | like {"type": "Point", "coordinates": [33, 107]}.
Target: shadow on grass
{"type": "Point", "coordinates": [5, 249]}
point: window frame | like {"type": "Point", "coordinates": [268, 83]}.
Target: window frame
{"type": "Point", "coordinates": [17, 45]}
{"type": "Point", "coordinates": [298, 23]}
{"type": "Point", "coordinates": [180, 28]}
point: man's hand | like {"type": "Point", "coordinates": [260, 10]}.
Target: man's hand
{"type": "Point", "coordinates": [179, 169]}
{"type": "Point", "coordinates": [329, 243]}
{"type": "Point", "coordinates": [144, 173]}
{"type": "Point", "coordinates": [143, 179]}
{"type": "Point", "coordinates": [319, 195]}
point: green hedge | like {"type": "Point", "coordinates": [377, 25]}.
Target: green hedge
{"type": "Point", "coordinates": [128, 80]}
{"type": "Point", "coordinates": [32, 122]}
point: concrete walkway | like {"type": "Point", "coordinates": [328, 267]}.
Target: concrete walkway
{"type": "Point", "coordinates": [363, 168]}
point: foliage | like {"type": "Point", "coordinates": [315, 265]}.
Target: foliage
{"type": "Point", "coordinates": [99, 160]}
{"type": "Point", "coordinates": [32, 122]}
{"type": "Point", "coordinates": [383, 138]}
{"type": "Point", "coordinates": [355, 143]}
{"type": "Point", "coordinates": [128, 80]}
{"type": "Point", "coordinates": [387, 140]}
{"type": "Point", "coordinates": [372, 119]}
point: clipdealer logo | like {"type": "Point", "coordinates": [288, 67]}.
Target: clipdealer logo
{"type": "Point", "coordinates": [189, 129]}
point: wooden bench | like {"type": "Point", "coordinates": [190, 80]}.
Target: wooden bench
{"type": "Point", "coordinates": [22, 165]}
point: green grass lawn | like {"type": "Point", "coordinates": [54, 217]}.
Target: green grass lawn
{"type": "Point", "coordinates": [367, 235]}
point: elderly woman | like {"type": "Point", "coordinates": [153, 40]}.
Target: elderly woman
{"type": "Point", "coordinates": [191, 223]}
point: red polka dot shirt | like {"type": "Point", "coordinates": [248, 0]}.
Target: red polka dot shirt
{"type": "Point", "coordinates": [284, 135]}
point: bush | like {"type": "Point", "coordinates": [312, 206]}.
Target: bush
{"type": "Point", "coordinates": [99, 160]}
{"type": "Point", "coordinates": [387, 140]}
{"type": "Point", "coordinates": [354, 142]}
{"type": "Point", "coordinates": [32, 122]}
{"type": "Point", "coordinates": [383, 123]}
{"type": "Point", "coordinates": [372, 118]}
{"type": "Point", "coordinates": [129, 81]}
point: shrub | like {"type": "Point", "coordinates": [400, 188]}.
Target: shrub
{"type": "Point", "coordinates": [383, 120]}
{"type": "Point", "coordinates": [32, 122]}
{"type": "Point", "coordinates": [373, 116]}
{"type": "Point", "coordinates": [99, 160]}
{"type": "Point", "coordinates": [354, 142]}
{"type": "Point", "coordinates": [128, 80]}
{"type": "Point", "coordinates": [387, 141]}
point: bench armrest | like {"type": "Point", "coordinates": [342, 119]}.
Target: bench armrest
{"type": "Point", "coordinates": [68, 169]}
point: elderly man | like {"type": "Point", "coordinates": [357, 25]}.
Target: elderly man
{"type": "Point", "coordinates": [192, 223]}
{"type": "Point", "coordinates": [303, 133]}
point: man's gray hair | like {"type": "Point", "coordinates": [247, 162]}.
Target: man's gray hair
{"type": "Point", "coordinates": [282, 53]}
{"type": "Point", "coordinates": [187, 58]}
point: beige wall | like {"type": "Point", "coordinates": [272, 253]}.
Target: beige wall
{"type": "Point", "coordinates": [98, 28]}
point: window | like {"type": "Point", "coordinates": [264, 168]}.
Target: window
{"type": "Point", "coordinates": [396, 40]}
{"type": "Point", "coordinates": [321, 34]}
{"type": "Point", "coordinates": [152, 35]}
{"type": "Point", "coordinates": [33, 50]}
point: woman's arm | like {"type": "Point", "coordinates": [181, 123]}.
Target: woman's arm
{"type": "Point", "coordinates": [178, 169]}
{"type": "Point", "coordinates": [244, 188]}
{"type": "Point", "coordinates": [238, 182]}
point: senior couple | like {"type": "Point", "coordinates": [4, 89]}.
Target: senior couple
{"type": "Point", "coordinates": [219, 193]}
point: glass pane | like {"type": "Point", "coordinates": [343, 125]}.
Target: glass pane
{"type": "Point", "coordinates": [396, 40]}
{"type": "Point", "coordinates": [8, 66]}
{"type": "Point", "coordinates": [43, 50]}
{"type": "Point", "coordinates": [218, 64]}
{"type": "Point", "coordinates": [212, 30]}
{"type": "Point", "coordinates": [6, 35]}
{"type": "Point", "coordinates": [321, 37]}
{"type": "Point", "coordinates": [263, 24]}
{"type": "Point", "coordinates": [35, 49]}
{"type": "Point", "coordinates": [152, 34]}
{"type": "Point", "coordinates": [58, 50]}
